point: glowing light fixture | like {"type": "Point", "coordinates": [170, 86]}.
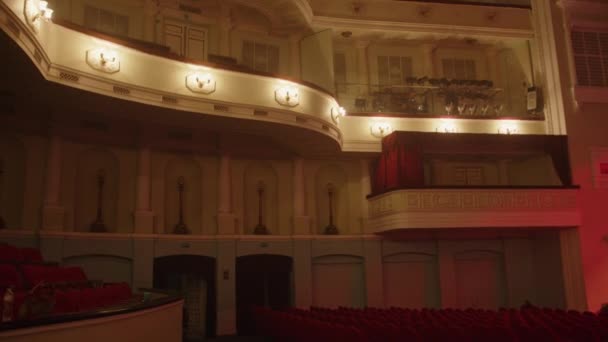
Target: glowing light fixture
{"type": "Point", "coordinates": [337, 113]}
{"type": "Point", "coordinates": [380, 129]}
{"type": "Point", "coordinates": [508, 128]}
{"type": "Point", "coordinates": [287, 95]}
{"type": "Point", "coordinates": [103, 59]}
{"type": "Point", "coordinates": [201, 83]}
{"type": "Point", "coordinates": [37, 11]}
{"type": "Point", "coordinates": [446, 126]}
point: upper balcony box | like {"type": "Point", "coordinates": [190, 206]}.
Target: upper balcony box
{"type": "Point", "coordinates": [443, 180]}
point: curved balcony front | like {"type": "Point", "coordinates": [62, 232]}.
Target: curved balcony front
{"type": "Point", "coordinates": [73, 58]}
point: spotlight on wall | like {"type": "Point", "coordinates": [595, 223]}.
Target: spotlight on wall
{"type": "Point", "coordinates": [203, 83]}
{"type": "Point", "coordinates": [380, 129]}
{"type": "Point", "coordinates": [507, 128]}
{"type": "Point", "coordinates": [103, 59]}
{"type": "Point", "coordinates": [337, 113]}
{"type": "Point", "coordinates": [37, 11]}
{"type": "Point", "coordinates": [287, 95]}
{"type": "Point", "coordinates": [446, 126]}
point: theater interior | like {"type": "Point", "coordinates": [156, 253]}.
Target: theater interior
{"type": "Point", "coordinates": [298, 170]}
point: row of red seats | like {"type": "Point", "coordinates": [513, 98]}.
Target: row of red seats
{"type": "Point", "coordinates": [27, 276]}
{"type": "Point", "coordinates": [397, 324]}
{"type": "Point", "coordinates": [10, 253]}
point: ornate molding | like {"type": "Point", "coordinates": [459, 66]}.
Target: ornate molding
{"type": "Point", "coordinates": [404, 201]}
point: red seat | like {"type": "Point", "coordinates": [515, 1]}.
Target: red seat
{"type": "Point", "coordinates": [9, 276]}
{"type": "Point", "coordinates": [30, 254]}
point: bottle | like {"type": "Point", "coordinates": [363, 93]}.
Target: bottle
{"type": "Point", "coordinates": [7, 305]}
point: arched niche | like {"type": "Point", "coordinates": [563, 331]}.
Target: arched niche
{"type": "Point", "coordinates": [93, 164]}
{"type": "Point", "coordinates": [335, 177]}
{"type": "Point", "coordinates": [108, 268]}
{"type": "Point", "coordinates": [411, 280]}
{"type": "Point", "coordinates": [189, 170]}
{"type": "Point", "coordinates": [260, 175]}
{"type": "Point", "coordinates": [480, 279]}
{"type": "Point", "coordinates": [338, 280]}
{"type": "Point", "coordinates": [12, 181]}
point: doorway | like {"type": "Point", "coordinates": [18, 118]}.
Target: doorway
{"type": "Point", "coordinates": [193, 277]}
{"type": "Point", "coordinates": [261, 280]}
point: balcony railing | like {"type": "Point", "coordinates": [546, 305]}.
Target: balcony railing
{"type": "Point", "coordinates": [469, 207]}
{"type": "Point", "coordinates": [435, 97]}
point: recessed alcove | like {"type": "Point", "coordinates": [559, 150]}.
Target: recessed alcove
{"type": "Point", "coordinates": [332, 177]}
{"type": "Point", "coordinates": [480, 279]}
{"type": "Point", "coordinates": [260, 176]}
{"type": "Point", "coordinates": [189, 170]}
{"type": "Point", "coordinates": [411, 280]}
{"type": "Point", "coordinates": [92, 166]}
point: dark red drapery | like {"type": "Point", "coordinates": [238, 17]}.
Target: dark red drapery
{"type": "Point", "coordinates": [401, 163]}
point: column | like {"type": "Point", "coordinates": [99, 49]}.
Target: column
{"type": "Point", "coordinates": [492, 62]}
{"type": "Point", "coordinates": [294, 56]}
{"type": "Point", "coordinates": [366, 189]}
{"type": "Point", "coordinates": [428, 60]}
{"type": "Point", "coordinates": [362, 68]}
{"type": "Point", "coordinates": [52, 212]}
{"type": "Point", "coordinates": [301, 221]}
{"type": "Point", "coordinates": [302, 272]}
{"type": "Point", "coordinates": [225, 216]}
{"type": "Point", "coordinates": [572, 266]}
{"type": "Point", "coordinates": [226, 287]}
{"type": "Point", "coordinates": [225, 24]}
{"type": "Point", "coordinates": [144, 217]}
{"type": "Point", "coordinates": [547, 73]}
{"type": "Point", "coordinates": [373, 272]}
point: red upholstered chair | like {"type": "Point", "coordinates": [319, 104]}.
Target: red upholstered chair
{"type": "Point", "coordinates": [30, 254]}
{"type": "Point", "coordinates": [9, 276]}
{"type": "Point", "coordinates": [9, 253]}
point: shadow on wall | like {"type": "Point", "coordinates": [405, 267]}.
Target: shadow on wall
{"type": "Point", "coordinates": [97, 170]}
{"type": "Point", "coordinates": [332, 178]}
{"type": "Point", "coordinates": [189, 171]}
{"type": "Point", "coordinates": [261, 176]}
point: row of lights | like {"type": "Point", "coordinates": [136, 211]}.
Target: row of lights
{"type": "Point", "coordinates": [381, 129]}
{"type": "Point", "coordinates": [107, 60]}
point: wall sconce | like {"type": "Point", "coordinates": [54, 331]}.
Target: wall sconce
{"type": "Point", "coordinates": [446, 127]}
{"type": "Point", "coordinates": [507, 129]}
{"type": "Point", "coordinates": [287, 96]}
{"type": "Point", "coordinates": [337, 113]}
{"type": "Point", "coordinates": [36, 11]}
{"type": "Point", "coordinates": [380, 129]}
{"type": "Point", "coordinates": [200, 83]}
{"type": "Point", "coordinates": [103, 59]}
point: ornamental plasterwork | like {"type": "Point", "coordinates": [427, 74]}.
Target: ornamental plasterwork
{"type": "Point", "coordinates": [471, 200]}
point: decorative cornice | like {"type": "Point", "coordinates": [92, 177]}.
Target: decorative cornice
{"type": "Point", "coordinates": [393, 26]}
{"type": "Point", "coordinates": [422, 208]}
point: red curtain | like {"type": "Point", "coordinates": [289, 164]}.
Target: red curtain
{"type": "Point", "coordinates": [401, 164]}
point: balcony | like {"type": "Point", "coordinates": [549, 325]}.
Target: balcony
{"type": "Point", "coordinates": [469, 207]}
{"type": "Point", "coordinates": [435, 98]}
